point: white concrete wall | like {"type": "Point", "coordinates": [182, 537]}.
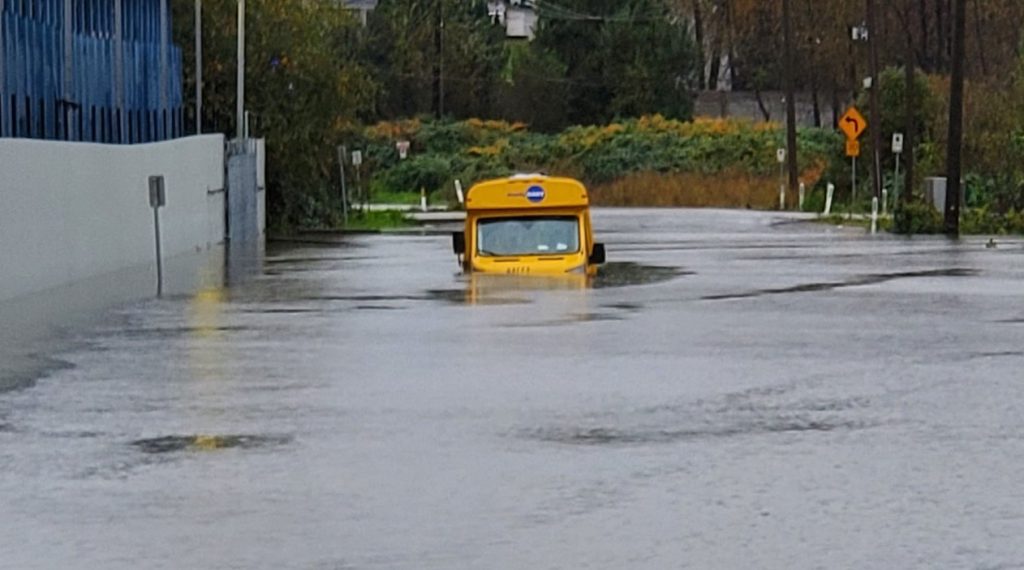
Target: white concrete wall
{"type": "Point", "coordinates": [69, 211]}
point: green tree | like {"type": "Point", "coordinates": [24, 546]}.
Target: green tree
{"type": "Point", "coordinates": [622, 58]}
{"type": "Point", "coordinates": [534, 89]}
{"type": "Point", "coordinates": [405, 49]}
{"type": "Point", "coordinates": [305, 90]}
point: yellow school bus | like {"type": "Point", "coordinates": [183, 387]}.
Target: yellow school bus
{"type": "Point", "coordinates": [528, 224]}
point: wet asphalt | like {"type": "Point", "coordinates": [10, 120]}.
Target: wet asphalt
{"type": "Point", "coordinates": [736, 390]}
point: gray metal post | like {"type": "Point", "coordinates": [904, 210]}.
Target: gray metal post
{"type": "Point", "coordinates": [240, 109]}
{"type": "Point", "coordinates": [69, 78]}
{"type": "Point", "coordinates": [159, 256]}
{"type": "Point", "coordinates": [782, 185]}
{"type": "Point", "coordinates": [440, 79]}
{"type": "Point", "coordinates": [119, 71]}
{"type": "Point", "coordinates": [164, 67]}
{"type": "Point", "coordinates": [199, 67]}
{"type": "Point", "coordinates": [853, 192]}
{"type": "Point", "coordinates": [158, 199]}
{"type": "Point", "coordinates": [342, 151]}
{"type": "Point", "coordinates": [896, 178]}
{"type": "Point", "coordinates": [359, 188]}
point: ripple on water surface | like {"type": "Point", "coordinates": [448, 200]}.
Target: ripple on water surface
{"type": "Point", "coordinates": [186, 443]}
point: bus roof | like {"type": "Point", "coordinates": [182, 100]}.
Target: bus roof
{"type": "Point", "coordinates": [526, 191]}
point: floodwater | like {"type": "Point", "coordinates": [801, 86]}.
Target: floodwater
{"type": "Point", "coordinates": [736, 391]}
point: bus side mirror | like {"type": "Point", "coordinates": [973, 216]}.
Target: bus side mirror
{"type": "Point", "coordinates": [459, 243]}
{"type": "Point", "coordinates": [597, 256]}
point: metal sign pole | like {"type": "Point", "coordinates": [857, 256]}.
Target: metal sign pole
{"type": "Point", "coordinates": [157, 199]}
{"type": "Point", "coordinates": [896, 180]}
{"type": "Point", "coordinates": [342, 151]}
{"type": "Point", "coordinates": [853, 193]}
{"type": "Point", "coordinates": [240, 80]}
{"type": "Point", "coordinates": [199, 66]}
{"type": "Point", "coordinates": [780, 156]}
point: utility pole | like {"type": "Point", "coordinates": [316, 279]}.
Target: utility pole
{"type": "Point", "coordinates": [791, 149]}
{"type": "Point", "coordinates": [240, 110]}
{"type": "Point", "coordinates": [876, 113]}
{"type": "Point", "coordinates": [910, 125]}
{"type": "Point", "coordinates": [439, 46]}
{"type": "Point", "coordinates": [199, 66]}
{"type": "Point", "coordinates": [956, 124]}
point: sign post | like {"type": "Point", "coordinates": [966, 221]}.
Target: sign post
{"type": "Point", "coordinates": [344, 190]}
{"type": "Point", "coordinates": [853, 125]}
{"type": "Point", "coordinates": [357, 163]}
{"type": "Point", "coordinates": [897, 149]}
{"type": "Point", "coordinates": [780, 156]}
{"type": "Point", "coordinates": [157, 200]}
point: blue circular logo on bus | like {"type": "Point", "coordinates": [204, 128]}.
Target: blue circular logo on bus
{"type": "Point", "coordinates": [535, 194]}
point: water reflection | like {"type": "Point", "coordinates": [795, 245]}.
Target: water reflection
{"type": "Point", "coordinates": [498, 289]}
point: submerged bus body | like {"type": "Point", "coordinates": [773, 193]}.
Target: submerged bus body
{"type": "Point", "coordinates": [528, 225]}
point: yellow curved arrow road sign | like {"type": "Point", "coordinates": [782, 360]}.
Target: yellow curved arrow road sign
{"type": "Point", "coordinates": [853, 123]}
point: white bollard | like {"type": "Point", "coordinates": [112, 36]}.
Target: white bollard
{"type": "Point", "coordinates": [885, 202]}
{"type": "Point", "coordinates": [782, 197]}
{"type": "Point", "coordinates": [874, 215]}
{"type": "Point", "coordinates": [803, 191]}
{"type": "Point", "coordinates": [828, 199]}
{"type": "Point", "coordinates": [458, 192]}
{"type": "Point", "coordinates": [423, 199]}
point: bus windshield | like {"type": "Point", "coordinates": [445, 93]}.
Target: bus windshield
{"type": "Point", "coordinates": [549, 235]}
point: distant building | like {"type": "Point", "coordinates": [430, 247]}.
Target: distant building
{"type": "Point", "coordinates": [518, 16]}
{"type": "Point", "coordinates": [363, 7]}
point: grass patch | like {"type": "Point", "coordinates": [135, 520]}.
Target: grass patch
{"type": "Point", "coordinates": [689, 189]}
{"type": "Point", "coordinates": [374, 221]}
{"type": "Point", "coordinates": [392, 197]}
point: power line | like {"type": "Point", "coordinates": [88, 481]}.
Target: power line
{"type": "Point", "coordinates": [551, 11]}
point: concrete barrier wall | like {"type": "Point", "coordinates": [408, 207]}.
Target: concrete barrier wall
{"type": "Point", "coordinates": [69, 211]}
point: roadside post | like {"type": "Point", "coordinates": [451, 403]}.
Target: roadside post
{"type": "Point", "coordinates": [874, 215]}
{"type": "Point", "coordinates": [780, 156]}
{"type": "Point", "coordinates": [831, 190]}
{"type": "Point", "coordinates": [357, 163]}
{"type": "Point", "coordinates": [403, 149]}
{"type": "Point", "coordinates": [423, 199]}
{"type": "Point", "coordinates": [458, 191]}
{"type": "Point", "coordinates": [157, 200]}
{"type": "Point", "coordinates": [897, 149]}
{"type": "Point", "coordinates": [803, 191]}
{"type": "Point", "coordinates": [853, 125]}
{"type": "Point", "coordinates": [344, 191]}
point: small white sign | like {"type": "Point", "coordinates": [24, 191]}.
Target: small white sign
{"type": "Point", "coordinates": [403, 149]}
{"type": "Point", "coordinates": [780, 155]}
{"type": "Point", "coordinates": [357, 157]}
{"type": "Point", "coordinates": [897, 143]}
{"type": "Point", "coordinates": [157, 192]}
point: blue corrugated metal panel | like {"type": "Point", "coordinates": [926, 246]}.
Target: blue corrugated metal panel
{"type": "Point", "coordinates": [33, 103]}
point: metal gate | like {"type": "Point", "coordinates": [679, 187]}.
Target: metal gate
{"type": "Point", "coordinates": [242, 192]}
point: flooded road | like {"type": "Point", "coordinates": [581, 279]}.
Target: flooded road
{"type": "Point", "coordinates": [736, 391]}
